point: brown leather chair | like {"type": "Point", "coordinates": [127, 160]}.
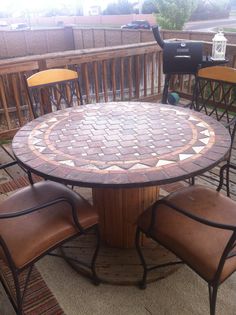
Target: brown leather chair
{"type": "Point", "coordinates": [37, 220]}
{"type": "Point", "coordinates": [53, 89]}
{"type": "Point", "coordinates": [198, 225]}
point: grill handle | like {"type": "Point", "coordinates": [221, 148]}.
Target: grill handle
{"type": "Point", "coordinates": [157, 35]}
{"type": "Point", "coordinates": [182, 56]}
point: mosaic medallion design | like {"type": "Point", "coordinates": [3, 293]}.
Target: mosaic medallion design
{"type": "Point", "coordinates": [125, 143]}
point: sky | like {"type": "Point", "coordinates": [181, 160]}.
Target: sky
{"type": "Point", "coordinates": [35, 5]}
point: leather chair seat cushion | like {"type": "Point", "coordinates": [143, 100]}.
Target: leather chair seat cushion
{"type": "Point", "coordinates": [197, 244]}
{"type": "Point", "coordinates": [29, 236]}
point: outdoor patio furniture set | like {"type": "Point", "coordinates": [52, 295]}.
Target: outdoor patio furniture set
{"type": "Point", "coordinates": [127, 149]}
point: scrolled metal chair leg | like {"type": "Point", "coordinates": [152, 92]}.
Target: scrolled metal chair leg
{"type": "Point", "coordinates": [143, 282]}
{"type": "Point", "coordinates": [30, 178]}
{"type": "Point", "coordinates": [212, 298]}
{"type": "Point", "coordinates": [227, 182]}
{"type": "Point", "coordinates": [19, 300]}
{"type": "Point", "coordinates": [221, 182]}
{"type": "Point", "coordinates": [192, 181]}
{"type": "Point", "coordinates": [95, 277]}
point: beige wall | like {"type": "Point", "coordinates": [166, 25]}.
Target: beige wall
{"type": "Point", "coordinates": [31, 42]}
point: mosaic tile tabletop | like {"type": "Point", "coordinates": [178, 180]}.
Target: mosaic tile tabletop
{"type": "Point", "coordinates": [123, 144]}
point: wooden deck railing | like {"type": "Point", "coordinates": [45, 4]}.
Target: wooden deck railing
{"type": "Point", "coordinates": [130, 72]}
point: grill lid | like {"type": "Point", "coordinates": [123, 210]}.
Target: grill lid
{"type": "Point", "coordinates": [182, 57]}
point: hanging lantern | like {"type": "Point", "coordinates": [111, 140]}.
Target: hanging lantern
{"type": "Point", "coordinates": [219, 46]}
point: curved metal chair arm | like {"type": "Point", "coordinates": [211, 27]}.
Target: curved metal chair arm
{"type": "Point", "coordinates": [15, 162]}
{"type": "Point", "coordinates": [188, 214]}
{"type": "Point", "coordinates": [44, 206]}
{"type": "Point", "coordinates": [9, 164]}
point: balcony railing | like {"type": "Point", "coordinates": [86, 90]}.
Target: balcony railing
{"type": "Point", "coordinates": [118, 73]}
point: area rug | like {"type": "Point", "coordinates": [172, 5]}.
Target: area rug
{"type": "Point", "coordinates": [17, 183]}
{"type": "Point", "coordinates": [39, 299]}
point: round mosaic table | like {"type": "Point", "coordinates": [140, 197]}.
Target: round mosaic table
{"type": "Point", "coordinates": [123, 151]}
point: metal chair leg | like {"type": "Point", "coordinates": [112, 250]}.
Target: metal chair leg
{"type": "Point", "coordinates": [30, 178]}
{"type": "Point", "coordinates": [192, 181]}
{"type": "Point", "coordinates": [95, 277]}
{"type": "Point", "coordinates": [143, 282]}
{"type": "Point", "coordinates": [212, 298]}
{"type": "Point", "coordinates": [227, 182]}
{"type": "Point", "coordinates": [19, 302]}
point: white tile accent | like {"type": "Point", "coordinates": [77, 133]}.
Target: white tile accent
{"type": "Point", "coordinates": [43, 125]}
{"type": "Point", "coordinates": [40, 149]}
{"type": "Point", "coordinates": [114, 168]}
{"type": "Point", "coordinates": [205, 140]}
{"type": "Point", "coordinates": [193, 118]}
{"type": "Point", "coordinates": [35, 141]}
{"type": "Point", "coordinates": [180, 113]}
{"type": "Point", "coordinates": [68, 162]}
{"type": "Point", "coordinates": [164, 162]}
{"type": "Point", "coordinates": [205, 133]}
{"type": "Point", "coordinates": [201, 124]}
{"type": "Point", "coordinates": [198, 149]}
{"type": "Point", "coordinates": [138, 166]}
{"type": "Point", "coordinates": [184, 156]}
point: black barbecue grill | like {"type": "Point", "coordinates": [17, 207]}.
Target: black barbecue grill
{"type": "Point", "coordinates": [181, 57]}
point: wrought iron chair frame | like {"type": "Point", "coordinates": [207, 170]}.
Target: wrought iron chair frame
{"type": "Point", "coordinates": [43, 94]}
{"type": "Point", "coordinates": [20, 294]}
{"type": "Point", "coordinates": [222, 80]}
{"type": "Point", "coordinates": [228, 252]}
{"type": "Point", "coordinates": [14, 162]}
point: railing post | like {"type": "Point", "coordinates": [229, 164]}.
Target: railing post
{"type": "Point", "coordinates": [42, 64]}
{"type": "Point", "coordinates": [69, 38]}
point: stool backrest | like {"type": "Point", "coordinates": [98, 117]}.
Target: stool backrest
{"type": "Point", "coordinates": [53, 89]}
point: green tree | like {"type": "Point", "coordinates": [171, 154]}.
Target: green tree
{"type": "Point", "coordinates": [122, 7]}
{"type": "Point", "coordinates": [211, 10]}
{"type": "Point", "coordinates": [174, 13]}
{"type": "Point", "coordinates": [149, 7]}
